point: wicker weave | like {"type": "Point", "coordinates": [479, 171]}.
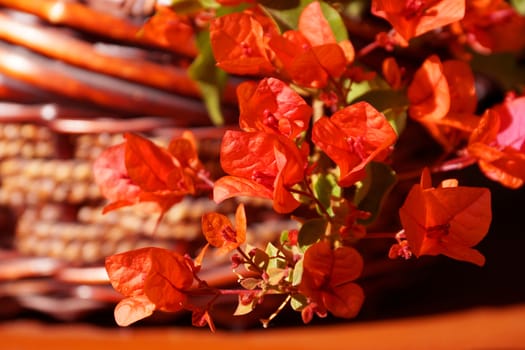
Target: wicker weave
{"type": "Point", "coordinates": [59, 108]}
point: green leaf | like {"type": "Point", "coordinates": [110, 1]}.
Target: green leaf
{"type": "Point", "coordinates": [272, 252]}
{"type": "Point", "coordinates": [519, 5]}
{"type": "Point", "coordinates": [185, 6]}
{"type": "Point", "coordinates": [275, 275]}
{"type": "Point", "coordinates": [284, 237]}
{"type": "Point", "coordinates": [250, 283]}
{"type": "Point", "coordinates": [370, 193]}
{"type": "Point", "coordinates": [384, 99]}
{"type": "Point", "coordinates": [209, 77]}
{"type": "Point", "coordinates": [243, 309]}
{"type": "Point", "coordinates": [326, 187]}
{"type": "Point", "coordinates": [336, 22]}
{"type": "Point", "coordinates": [311, 231]}
{"type": "Point", "coordinates": [397, 117]}
{"type": "Point", "coordinates": [298, 302]}
{"type": "Point", "coordinates": [226, 10]}
{"type": "Point", "coordinates": [209, 4]}
{"type": "Point", "coordinates": [260, 259]}
{"type": "Point", "coordinates": [297, 275]}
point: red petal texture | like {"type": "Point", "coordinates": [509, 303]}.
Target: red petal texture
{"type": "Point", "coordinates": [446, 220]}
{"type": "Point", "coordinates": [392, 73]}
{"type": "Point", "coordinates": [148, 276]}
{"type": "Point", "coordinates": [184, 150]}
{"type": "Point", "coordinates": [499, 143]}
{"type": "Point", "coordinates": [234, 186]}
{"type": "Point", "coordinates": [487, 27]}
{"type": "Point", "coordinates": [245, 153]}
{"type": "Point", "coordinates": [353, 137]}
{"type": "Point", "coordinates": [219, 231]}
{"type": "Point", "coordinates": [461, 86]}
{"type": "Point", "coordinates": [443, 99]}
{"type": "Point", "coordinates": [311, 55]}
{"type": "Point", "coordinates": [428, 92]}
{"type": "Point", "coordinates": [140, 171]}
{"type": "Point", "coordinates": [314, 26]}
{"type": "Point", "coordinates": [112, 177]}
{"type": "Point", "coordinates": [286, 47]}
{"type": "Point", "coordinates": [411, 18]}
{"type": "Point", "coordinates": [311, 67]}
{"type": "Point", "coordinates": [328, 277]}
{"type": "Point", "coordinates": [148, 165]}
{"type": "Point", "coordinates": [512, 124]}
{"type": "Point", "coordinates": [272, 106]}
{"type": "Point", "coordinates": [239, 44]}
{"type": "Point", "coordinates": [345, 300]}
{"type": "Point", "coordinates": [172, 30]}
{"type": "Point", "coordinates": [260, 163]}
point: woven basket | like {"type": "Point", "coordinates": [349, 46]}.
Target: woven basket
{"type": "Point", "coordinates": [73, 77]}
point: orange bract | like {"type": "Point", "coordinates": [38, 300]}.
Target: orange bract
{"type": "Point", "coordinates": [272, 106]}
{"type": "Point", "coordinates": [150, 279]}
{"type": "Point", "coordinates": [140, 171]}
{"type": "Point", "coordinates": [219, 231]}
{"type": "Point", "coordinates": [306, 65]}
{"type": "Point", "coordinates": [311, 55]}
{"type": "Point", "coordinates": [172, 30]}
{"type": "Point", "coordinates": [261, 165]}
{"type": "Point", "coordinates": [328, 277]}
{"type": "Point", "coordinates": [353, 137]}
{"type": "Point", "coordinates": [411, 18]}
{"type": "Point", "coordinates": [443, 99]}
{"type": "Point", "coordinates": [239, 44]}
{"type": "Point", "coordinates": [447, 220]}
{"type": "Point", "coordinates": [392, 73]}
{"type": "Point", "coordinates": [151, 167]}
{"type": "Point", "coordinates": [250, 43]}
{"type": "Point", "coordinates": [112, 178]}
{"type": "Point", "coordinates": [314, 27]}
{"type": "Point", "coordinates": [491, 26]}
{"type": "Point", "coordinates": [499, 143]}
{"type": "Point", "coordinates": [428, 93]}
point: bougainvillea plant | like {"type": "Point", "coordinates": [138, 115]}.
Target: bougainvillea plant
{"type": "Point", "coordinates": [322, 105]}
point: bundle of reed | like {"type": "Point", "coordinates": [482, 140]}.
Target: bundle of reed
{"type": "Point", "coordinates": [75, 76]}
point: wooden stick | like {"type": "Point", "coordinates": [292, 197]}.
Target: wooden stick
{"type": "Point", "coordinates": [82, 17]}
{"type": "Point", "coordinates": [76, 120]}
{"type": "Point", "coordinates": [16, 91]}
{"type": "Point", "coordinates": [54, 43]}
{"type": "Point", "coordinates": [113, 94]}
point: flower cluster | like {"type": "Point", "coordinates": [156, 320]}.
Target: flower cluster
{"type": "Point", "coordinates": [318, 124]}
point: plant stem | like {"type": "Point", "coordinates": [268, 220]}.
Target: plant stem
{"type": "Point", "coordinates": [203, 175]}
{"type": "Point", "coordinates": [309, 194]}
{"type": "Point", "coordinates": [249, 261]}
{"type": "Point", "coordinates": [458, 163]}
{"type": "Point", "coordinates": [367, 49]}
{"type": "Point", "coordinates": [266, 322]}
